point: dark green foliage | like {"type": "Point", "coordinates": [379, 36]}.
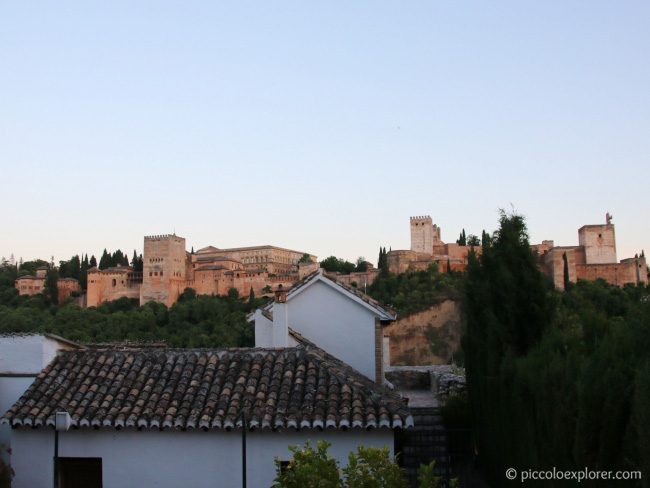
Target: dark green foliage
{"type": "Point", "coordinates": [109, 260]}
{"type": "Point", "coordinates": [382, 261]}
{"type": "Point", "coordinates": [456, 413]}
{"type": "Point", "coordinates": [83, 272]}
{"type": "Point", "coordinates": [333, 264]}
{"type": "Point", "coordinates": [486, 239]}
{"type": "Point", "coordinates": [362, 265]}
{"type": "Point", "coordinates": [416, 291]}
{"type": "Point", "coordinates": [308, 467]}
{"type": "Point", "coordinates": [30, 267]}
{"type": "Point", "coordinates": [93, 262]}
{"type": "Point", "coordinates": [137, 263]}
{"type": "Point", "coordinates": [368, 467]}
{"type": "Point", "coordinates": [566, 271]}
{"type": "Point", "coordinates": [462, 239]}
{"type": "Point", "coordinates": [305, 258]}
{"type": "Point", "coordinates": [194, 321]}
{"type": "Point", "coordinates": [51, 290]}
{"type": "Point", "coordinates": [554, 379]}
{"type": "Point", "coordinates": [371, 467]}
{"type": "Point", "coordinates": [70, 268]}
{"type": "Point", "coordinates": [473, 240]}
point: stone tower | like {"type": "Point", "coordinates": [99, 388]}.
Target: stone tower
{"type": "Point", "coordinates": [424, 234]}
{"type": "Point", "coordinates": [164, 270]}
{"type": "Point", "coordinates": [599, 242]}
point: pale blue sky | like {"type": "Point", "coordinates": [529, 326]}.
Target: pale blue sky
{"type": "Point", "coordinates": [319, 126]}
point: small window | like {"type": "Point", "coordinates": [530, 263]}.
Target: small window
{"type": "Point", "coordinates": [161, 273]}
{"type": "Point", "coordinates": [284, 466]}
{"type": "Point", "coordinates": [80, 472]}
{"type": "Point", "coordinates": [114, 282]}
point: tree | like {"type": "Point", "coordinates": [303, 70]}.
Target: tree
{"type": "Point", "coordinates": [368, 467]}
{"type": "Point", "coordinates": [508, 308]}
{"type": "Point", "coordinates": [105, 261]}
{"type": "Point", "coordinates": [137, 263]}
{"type": "Point", "coordinates": [382, 261]}
{"type": "Point", "coordinates": [372, 467]}
{"type": "Point", "coordinates": [93, 262]}
{"type": "Point", "coordinates": [51, 289]}
{"type": "Point", "coordinates": [566, 271]}
{"type": "Point", "coordinates": [305, 258]}
{"type": "Point", "coordinates": [462, 239]}
{"type": "Point", "coordinates": [473, 240]}
{"type": "Point", "coordinates": [332, 264]}
{"type": "Point", "coordinates": [251, 296]}
{"type": "Point", "coordinates": [361, 265]}
{"type": "Point", "coordinates": [308, 467]}
{"type": "Point", "coordinates": [83, 272]}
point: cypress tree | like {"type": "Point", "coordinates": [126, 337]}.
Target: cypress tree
{"type": "Point", "coordinates": [566, 271]}
{"type": "Point", "coordinates": [105, 260]}
{"type": "Point", "coordinates": [93, 262]}
{"type": "Point", "coordinates": [507, 306]}
{"type": "Point", "coordinates": [462, 239]}
{"type": "Point", "coordinates": [83, 273]}
{"type": "Point", "coordinates": [51, 290]}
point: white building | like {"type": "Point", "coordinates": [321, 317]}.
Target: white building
{"type": "Point", "coordinates": [22, 357]}
{"type": "Point", "coordinates": [338, 318]}
{"type": "Point", "coordinates": [169, 418]}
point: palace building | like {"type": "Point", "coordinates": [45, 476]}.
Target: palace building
{"type": "Point", "coordinates": [169, 269]}
{"type": "Point", "coordinates": [593, 258]}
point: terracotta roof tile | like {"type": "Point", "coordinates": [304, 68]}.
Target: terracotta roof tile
{"type": "Point", "coordinates": [301, 387]}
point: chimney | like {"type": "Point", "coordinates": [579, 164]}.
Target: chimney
{"type": "Point", "coordinates": [280, 335]}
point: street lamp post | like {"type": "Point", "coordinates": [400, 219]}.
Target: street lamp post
{"type": "Point", "coordinates": [61, 423]}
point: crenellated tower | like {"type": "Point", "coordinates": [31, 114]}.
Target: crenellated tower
{"type": "Point", "coordinates": [164, 270]}
{"type": "Point", "coordinates": [424, 234]}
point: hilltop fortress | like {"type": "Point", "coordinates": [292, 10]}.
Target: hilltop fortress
{"type": "Point", "coordinates": [426, 248]}
{"type": "Point", "coordinates": [593, 258]}
{"type": "Point", "coordinates": [169, 269]}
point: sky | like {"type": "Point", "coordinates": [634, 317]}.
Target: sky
{"type": "Point", "coordinates": [319, 126]}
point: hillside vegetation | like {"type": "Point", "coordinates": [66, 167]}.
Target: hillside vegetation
{"type": "Point", "coordinates": [194, 321]}
{"type": "Point", "coordinates": [555, 379]}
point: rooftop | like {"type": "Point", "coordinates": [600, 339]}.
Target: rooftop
{"type": "Point", "coordinates": [299, 387]}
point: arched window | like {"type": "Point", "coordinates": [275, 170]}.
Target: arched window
{"type": "Point", "coordinates": [114, 282]}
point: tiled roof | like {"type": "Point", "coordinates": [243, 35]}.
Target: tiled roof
{"type": "Point", "coordinates": [300, 387]}
{"type": "Point", "coordinates": [210, 267]}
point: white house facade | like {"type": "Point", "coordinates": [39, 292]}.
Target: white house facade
{"type": "Point", "coordinates": [338, 318]}
{"type": "Point", "coordinates": [169, 418]}
{"type": "Point", "coordinates": [22, 358]}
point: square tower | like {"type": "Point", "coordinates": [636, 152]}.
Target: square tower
{"type": "Point", "coordinates": [423, 234]}
{"type": "Point", "coordinates": [164, 270]}
{"type": "Point", "coordinates": [599, 243]}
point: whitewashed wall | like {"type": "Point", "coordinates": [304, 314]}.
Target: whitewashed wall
{"type": "Point", "coordinates": [21, 359]}
{"type": "Point", "coordinates": [26, 354]}
{"type": "Point", "coordinates": [172, 459]}
{"type": "Point", "coordinates": [337, 324]}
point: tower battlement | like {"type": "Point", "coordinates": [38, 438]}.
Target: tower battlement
{"type": "Point", "coordinates": [422, 218]}
{"type": "Point", "coordinates": [161, 237]}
